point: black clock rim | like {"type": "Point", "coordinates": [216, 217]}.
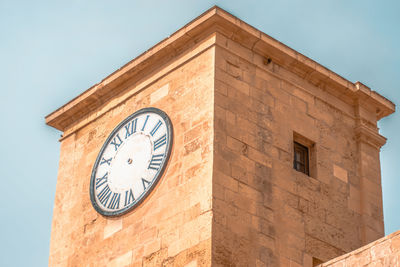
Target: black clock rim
{"type": "Point", "coordinates": [158, 175]}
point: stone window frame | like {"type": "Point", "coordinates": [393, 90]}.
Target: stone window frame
{"type": "Point", "coordinates": [300, 141]}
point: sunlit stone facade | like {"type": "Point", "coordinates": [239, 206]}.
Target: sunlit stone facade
{"type": "Point", "coordinates": [238, 101]}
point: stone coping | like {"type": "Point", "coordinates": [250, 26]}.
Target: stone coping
{"type": "Point", "coordinates": [370, 253]}
{"type": "Point", "coordinates": [214, 20]}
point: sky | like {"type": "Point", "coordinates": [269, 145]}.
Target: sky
{"type": "Point", "coordinates": [51, 51]}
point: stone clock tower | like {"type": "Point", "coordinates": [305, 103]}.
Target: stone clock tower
{"type": "Point", "coordinates": [219, 146]}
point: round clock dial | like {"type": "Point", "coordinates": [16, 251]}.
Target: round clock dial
{"type": "Point", "coordinates": [131, 161]}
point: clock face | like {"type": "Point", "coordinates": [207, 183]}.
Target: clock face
{"type": "Point", "coordinates": [131, 162]}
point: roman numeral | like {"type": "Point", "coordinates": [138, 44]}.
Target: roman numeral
{"type": "Point", "coordinates": [114, 203]}
{"type": "Point", "coordinates": [108, 161]}
{"type": "Point", "coordinates": [129, 198]}
{"type": "Point", "coordinates": [145, 182]}
{"type": "Point", "coordinates": [116, 142]}
{"type": "Point", "coordinates": [159, 123]}
{"type": "Point", "coordinates": [104, 195]}
{"type": "Point", "coordinates": [160, 141]}
{"type": "Point", "coordinates": [145, 122]}
{"type": "Point", "coordinates": [101, 180]}
{"type": "Point", "coordinates": [155, 162]}
{"type": "Point", "coordinates": [130, 128]}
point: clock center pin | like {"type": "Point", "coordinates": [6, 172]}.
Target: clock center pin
{"type": "Point", "coordinates": [130, 161]}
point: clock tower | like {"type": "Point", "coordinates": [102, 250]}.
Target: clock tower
{"type": "Point", "coordinates": [219, 146]}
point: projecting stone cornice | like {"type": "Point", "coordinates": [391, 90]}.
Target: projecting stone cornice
{"type": "Point", "coordinates": [215, 20]}
{"type": "Point", "coordinates": [366, 135]}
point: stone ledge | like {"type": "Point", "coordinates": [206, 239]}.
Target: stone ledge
{"type": "Point", "coordinates": [366, 135]}
{"type": "Point", "coordinates": [371, 254]}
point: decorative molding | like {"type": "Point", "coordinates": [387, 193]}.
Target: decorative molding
{"type": "Point", "coordinates": [212, 21]}
{"type": "Point", "coordinates": [367, 135]}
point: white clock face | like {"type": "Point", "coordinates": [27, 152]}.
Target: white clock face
{"type": "Point", "coordinates": [131, 161]}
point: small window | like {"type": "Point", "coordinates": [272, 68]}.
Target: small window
{"type": "Point", "coordinates": [301, 158]}
{"type": "Point", "coordinates": [304, 155]}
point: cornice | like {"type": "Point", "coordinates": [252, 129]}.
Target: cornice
{"type": "Point", "coordinates": [214, 20]}
{"type": "Point", "coordinates": [366, 135]}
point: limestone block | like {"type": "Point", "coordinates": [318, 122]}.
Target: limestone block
{"type": "Point", "coordinates": [159, 94]}
{"type": "Point", "coordinates": [380, 250]}
{"type": "Point", "coordinates": [191, 264]}
{"type": "Point", "coordinates": [340, 173]}
{"type": "Point", "coordinates": [122, 261]}
{"type": "Point", "coordinates": [112, 227]}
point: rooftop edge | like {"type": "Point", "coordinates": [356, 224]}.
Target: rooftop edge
{"type": "Point", "coordinates": [235, 28]}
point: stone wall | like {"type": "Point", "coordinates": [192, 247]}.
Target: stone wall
{"type": "Point", "coordinates": [230, 195]}
{"type": "Point", "coordinates": [172, 226]}
{"type": "Point", "coordinates": [265, 212]}
{"type": "Point", "coordinates": [384, 252]}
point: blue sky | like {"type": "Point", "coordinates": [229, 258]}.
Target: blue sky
{"type": "Point", "coordinates": [51, 51]}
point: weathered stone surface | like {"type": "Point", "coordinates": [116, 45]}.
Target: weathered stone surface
{"type": "Point", "coordinates": [176, 216]}
{"type": "Point", "coordinates": [230, 196]}
{"type": "Point", "coordinates": [379, 253]}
